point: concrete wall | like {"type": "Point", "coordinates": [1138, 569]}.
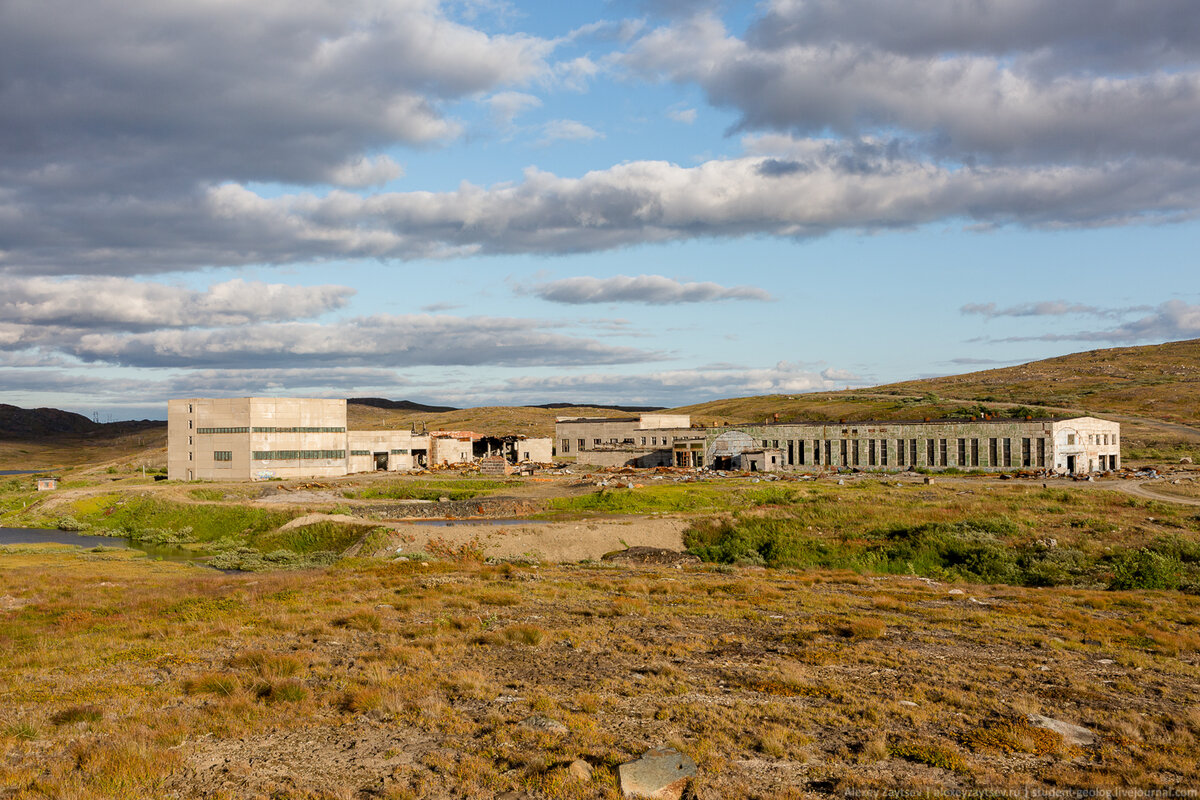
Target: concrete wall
{"type": "Point", "coordinates": [539, 450]}
{"type": "Point", "coordinates": [601, 436]}
{"type": "Point", "coordinates": [218, 438]}
{"type": "Point", "coordinates": [450, 450]}
{"type": "Point", "coordinates": [1086, 444]}
{"type": "Point", "coordinates": [399, 446]}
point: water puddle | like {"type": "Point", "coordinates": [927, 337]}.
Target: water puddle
{"type": "Point", "coordinates": [163, 552]}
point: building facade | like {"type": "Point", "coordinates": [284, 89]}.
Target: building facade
{"type": "Point", "coordinates": [261, 438]}
{"type": "Point", "coordinates": [1069, 446]}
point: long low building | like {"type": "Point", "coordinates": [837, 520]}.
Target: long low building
{"type": "Point", "coordinates": [262, 438]}
{"type": "Point", "coordinates": [1066, 445]}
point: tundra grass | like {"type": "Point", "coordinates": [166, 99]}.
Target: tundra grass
{"type": "Point", "coordinates": [127, 678]}
{"type": "Point", "coordinates": [454, 489]}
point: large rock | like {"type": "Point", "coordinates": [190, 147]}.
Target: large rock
{"type": "Point", "coordinates": [540, 723]}
{"type": "Point", "coordinates": [1071, 734]}
{"type": "Point", "coordinates": [660, 774]}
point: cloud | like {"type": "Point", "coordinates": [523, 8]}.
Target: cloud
{"type": "Point", "coordinates": [363, 172]}
{"type": "Point", "coordinates": [648, 289]}
{"type": "Point", "coordinates": [121, 304]}
{"type": "Point", "coordinates": [685, 115]}
{"type": "Point", "coordinates": [568, 130]}
{"type": "Point", "coordinates": [376, 341]}
{"type": "Point", "coordinates": [506, 106]}
{"type": "Point", "coordinates": [957, 96]}
{"type": "Point", "coordinates": [1054, 308]}
{"type": "Point", "coordinates": [1129, 34]}
{"type": "Point", "coordinates": [674, 387]}
{"type": "Point", "coordinates": [797, 188]}
{"type": "Point", "coordinates": [1169, 321]}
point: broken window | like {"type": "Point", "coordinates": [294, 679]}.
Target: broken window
{"type": "Point", "coordinates": [581, 444]}
{"type": "Point", "coordinates": [1026, 452]}
{"type": "Point", "coordinates": [930, 456]}
{"type": "Point", "coordinates": [1008, 452]}
{"type": "Point", "coordinates": [800, 452]}
{"type": "Point", "coordinates": [912, 452]}
{"type": "Point", "coordinates": [942, 452]}
{"type": "Point", "coordinates": [962, 452]}
{"type": "Point", "coordinates": [845, 450]}
{"type": "Point", "coordinates": [566, 445]}
{"type": "Point", "coordinates": [828, 452]}
{"type": "Point", "coordinates": [871, 452]}
{"type": "Point", "coordinates": [993, 453]}
{"type": "Point", "coordinates": [883, 452]}
{"type": "Point", "coordinates": [900, 452]}
{"type": "Point", "coordinates": [1041, 452]}
{"type": "Point", "coordinates": [974, 452]}
{"type": "Point", "coordinates": [856, 458]}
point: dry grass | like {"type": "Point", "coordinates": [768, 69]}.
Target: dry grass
{"type": "Point", "coordinates": [770, 680]}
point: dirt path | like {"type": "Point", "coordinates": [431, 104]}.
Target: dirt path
{"type": "Point", "coordinates": [575, 540]}
{"type": "Point", "coordinates": [1143, 490]}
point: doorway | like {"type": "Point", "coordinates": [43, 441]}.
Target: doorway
{"type": "Point", "coordinates": [1071, 465]}
{"type": "Point", "coordinates": [381, 461]}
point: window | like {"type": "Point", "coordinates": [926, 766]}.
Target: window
{"type": "Point", "coordinates": [654, 440]}
{"type": "Point", "coordinates": [400, 452]}
{"type": "Point", "coordinates": [1041, 452]}
{"type": "Point", "coordinates": [900, 459]}
{"type": "Point", "coordinates": [566, 445]}
{"type": "Point", "coordinates": [844, 461]}
{"type": "Point", "coordinates": [942, 452]}
{"type": "Point", "coordinates": [993, 453]}
{"type": "Point", "coordinates": [930, 456]}
{"type": "Point", "coordinates": [962, 452]}
{"type": "Point", "coordinates": [1026, 452]}
{"type": "Point", "coordinates": [581, 443]}
{"type": "Point", "coordinates": [912, 452]}
{"type": "Point", "coordinates": [1070, 438]}
{"type": "Point", "coordinates": [189, 455]}
{"type": "Point", "coordinates": [643, 441]}
{"type": "Point", "coordinates": [190, 410]}
{"type": "Point", "coordinates": [296, 455]}
{"type": "Point", "coordinates": [816, 452]}
{"type": "Point", "coordinates": [189, 441]}
{"type": "Point", "coordinates": [764, 444]}
{"type": "Point", "coordinates": [223, 455]}
{"type": "Point", "coordinates": [871, 452]}
{"type": "Point", "coordinates": [292, 430]}
{"type": "Point", "coordinates": [800, 452]}
{"type": "Point", "coordinates": [828, 452]}
{"type": "Point", "coordinates": [595, 442]}
{"type": "Point", "coordinates": [775, 443]}
{"type": "Point", "coordinates": [883, 452]}
{"type": "Point", "coordinates": [189, 424]}
{"type": "Point", "coordinates": [360, 452]}
{"type": "Point", "coordinates": [974, 452]}
{"type": "Point", "coordinates": [1008, 452]}
{"type": "Point", "coordinates": [857, 461]}
{"type": "Point", "coordinates": [222, 430]}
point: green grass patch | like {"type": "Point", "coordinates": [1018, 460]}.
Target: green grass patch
{"type": "Point", "coordinates": [462, 489]}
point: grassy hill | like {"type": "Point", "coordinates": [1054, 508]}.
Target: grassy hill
{"type": "Point", "coordinates": [1160, 381]}
{"type": "Point", "coordinates": [491, 420]}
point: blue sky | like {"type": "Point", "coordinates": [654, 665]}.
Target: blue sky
{"type": "Point", "coordinates": [661, 202]}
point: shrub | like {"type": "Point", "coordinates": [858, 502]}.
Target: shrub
{"type": "Point", "coordinates": [1145, 569]}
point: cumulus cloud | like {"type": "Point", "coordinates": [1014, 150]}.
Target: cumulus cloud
{"type": "Point", "coordinates": [363, 171]}
{"type": "Point", "coordinates": [127, 305]}
{"type": "Point", "coordinates": [376, 341]}
{"type": "Point", "coordinates": [674, 387]}
{"type": "Point", "coordinates": [128, 102]}
{"type": "Point", "coordinates": [1172, 320]}
{"type": "Point", "coordinates": [506, 106]}
{"type": "Point", "coordinates": [957, 96]}
{"type": "Point", "coordinates": [648, 289]}
{"type": "Point", "coordinates": [568, 130]}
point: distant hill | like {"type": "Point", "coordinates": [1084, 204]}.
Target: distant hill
{"type": "Point", "coordinates": [28, 423]}
{"type": "Point", "coordinates": [398, 405]}
{"type": "Point", "coordinates": [626, 409]}
{"type": "Point", "coordinates": [1161, 381]}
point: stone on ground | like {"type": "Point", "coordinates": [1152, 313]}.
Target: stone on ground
{"type": "Point", "coordinates": [1072, 734]}
{"type": "Point", "coordinates": [540, 723]}
{"type": "Point", "coordinates": [660, 774]}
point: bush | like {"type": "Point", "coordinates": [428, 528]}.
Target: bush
{"type": "Point", "coordinates": [1145, 569]}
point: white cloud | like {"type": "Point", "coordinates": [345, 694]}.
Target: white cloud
{"type": "Point", "coordinates": [568, 130]}
{"type": "Point", "coordinates": [685, 115]}
{"type": "Point", "coordinates": [1169, 321]}
{"type": "Point", "coordinates": [506, 106]}
{"type": "Point", "coordinates": [364, 171]}
{"type": "Point", "coordinates": [955, 101]}
{"type": "Point", "coordinates": [646, 289]}
{"type": "Point", "coordinates": [124, 304]}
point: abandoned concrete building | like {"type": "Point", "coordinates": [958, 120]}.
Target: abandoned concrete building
{"type": "Point", "coordinates": [260, 438]}
{"type": "Point", "coordinates": [1070, 446]}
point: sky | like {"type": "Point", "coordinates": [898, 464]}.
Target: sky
{"type": "Point", "coordinates": [658, 202]}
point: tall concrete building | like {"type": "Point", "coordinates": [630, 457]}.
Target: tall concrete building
{"type": "Point", "coordinates": [261, 438]}
{"type": "Point", "coordinates": [1070, 446]}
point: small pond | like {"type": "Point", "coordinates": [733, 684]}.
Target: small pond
{"type": "Point", "coordinates": [46, 536]}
